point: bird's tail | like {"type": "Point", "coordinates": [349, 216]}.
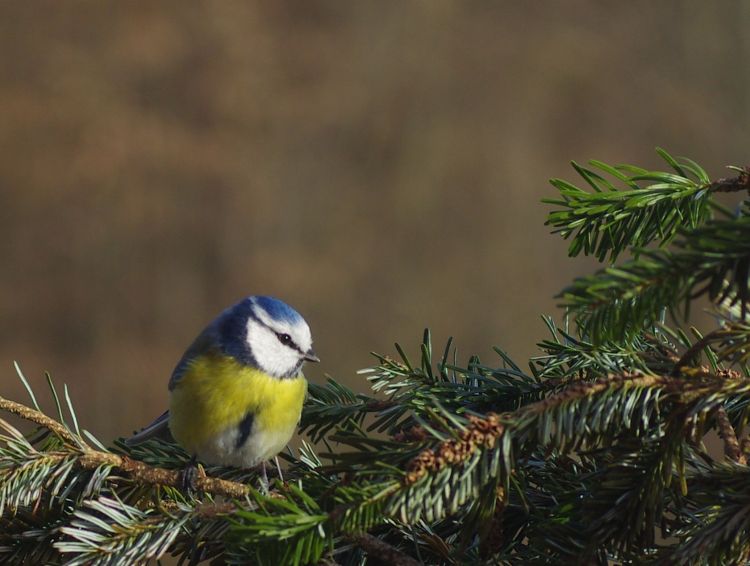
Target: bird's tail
{"type": "Point", "coordinates": [157, 429]}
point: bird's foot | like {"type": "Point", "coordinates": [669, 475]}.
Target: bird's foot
{"type": "Point", "coordinates": [264, 485]}
{"type": "Point", "coordinates": [190, 474]}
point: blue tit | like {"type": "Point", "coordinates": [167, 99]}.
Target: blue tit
{"type": "Point", "coordinates": [236, 395]}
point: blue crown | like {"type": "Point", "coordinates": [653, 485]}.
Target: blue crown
{"type": "Point", "coordinates": [278, 310]}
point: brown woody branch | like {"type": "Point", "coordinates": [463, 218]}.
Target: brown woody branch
{"type": "Point", "coordinates": [144, 473]}
{"type": "Point", "coordinates": [29, 414]}
{"type": "Point", "coordinates": [732, 184]}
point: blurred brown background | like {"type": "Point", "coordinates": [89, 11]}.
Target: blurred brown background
{"type": "Point", "coordinates": [378, 165]}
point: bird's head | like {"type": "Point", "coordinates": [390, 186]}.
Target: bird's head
{"type": "Point", "coordinates": [271, 334]}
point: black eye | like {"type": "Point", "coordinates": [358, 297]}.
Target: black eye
{"type": "Point", "coordinates": [284, 338]}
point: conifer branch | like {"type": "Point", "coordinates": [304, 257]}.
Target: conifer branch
{"type": "Point", "coordinates": [654, 205]}
{"type": "Point", "coordinates": [143, 473]}
{"type": "Point", "coordinates": [618, 303]}
{"type": "Point", "coordinates": [42, 420]}
{"type": "Point", "coordinates": [713, 521]}
{"type": "Point", "coordinates": [481, 432]}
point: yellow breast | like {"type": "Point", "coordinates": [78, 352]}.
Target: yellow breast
{"type": "Point", "coordinates": [216, 392]}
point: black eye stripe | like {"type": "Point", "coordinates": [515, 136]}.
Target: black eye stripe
{"type": "Point", "coordinates": [287, 340]}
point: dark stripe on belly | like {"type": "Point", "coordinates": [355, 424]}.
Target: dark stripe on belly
{"type": "Point", "coordinates": [244, 428]}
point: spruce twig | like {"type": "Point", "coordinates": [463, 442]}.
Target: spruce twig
{"type": "Point", "coordinates": [32, 415]}
{"type": "Point", "coordinates": [145, 474]}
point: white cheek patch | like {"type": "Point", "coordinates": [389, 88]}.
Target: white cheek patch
{"type": "Point", "coordinates": [270, 354]}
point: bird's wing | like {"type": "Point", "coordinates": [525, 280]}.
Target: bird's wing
{"type": "Point", "coordinates": [206, 341]}
{"type": "Point", "coordinates": [157, 429]}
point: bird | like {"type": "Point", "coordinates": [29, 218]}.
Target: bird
{"type": "Point", "coordinates": [236, 395]}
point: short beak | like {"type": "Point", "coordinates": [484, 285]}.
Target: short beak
{"type": "Point", "coordinates": [310, 356]}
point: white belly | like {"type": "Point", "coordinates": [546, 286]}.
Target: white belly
{"type": "Point", "coordinates": [261, 445]}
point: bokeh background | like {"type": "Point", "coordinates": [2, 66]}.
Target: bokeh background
{"type": "Point", "coordinates": [378, 165]}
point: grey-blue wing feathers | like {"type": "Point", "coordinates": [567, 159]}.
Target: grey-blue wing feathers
{"type": "Point", "coordinates": [157, 429]}
{"type": "Point", "coordinates": [204, 343]}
